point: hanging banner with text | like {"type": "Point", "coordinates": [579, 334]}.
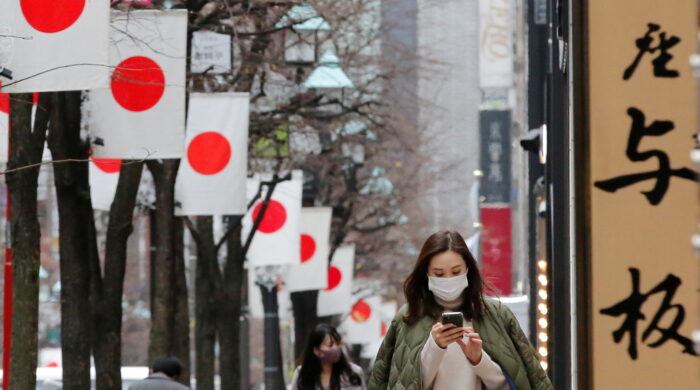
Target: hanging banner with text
{"type": "Point", "coordinates": [643, 197]}
{"type": "Point", "coordinates": [495, 252]}
{"type": "Point", "coordinates": [494, 160]}
{"type": "Point", "coordinates": [496, 22]}
{"type": "Point", "coordinates": [496, 248]}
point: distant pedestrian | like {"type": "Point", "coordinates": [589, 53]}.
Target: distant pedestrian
{"type": "Point", "coordinates": [477, 345]}
{"type": "Point", "coordinates": [324, 366]}
{"type": "Point", "coordinates": [164, 374]}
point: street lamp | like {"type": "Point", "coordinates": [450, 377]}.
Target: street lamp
{"type": "Point", "coordinates": [329, 75]}
{"type": "Point", "coordinates": [329, 78]}
{"type": "Point", "coordinates": [301, 41]}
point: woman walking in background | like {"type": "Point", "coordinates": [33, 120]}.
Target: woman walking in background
{"type": "Point", "coordinates": [324, 366]}
{"type": "Point", "coordinates": [478, 345]}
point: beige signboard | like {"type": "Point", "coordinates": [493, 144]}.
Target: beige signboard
{"type": "Point", "coordinates": [643, 200]}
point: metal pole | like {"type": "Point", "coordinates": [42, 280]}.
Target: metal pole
{"type": "Point", "coordinates": [267, 280]}
{"type": "Point", "coordinates": [7, 309]}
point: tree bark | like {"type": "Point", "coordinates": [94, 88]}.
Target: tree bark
{"type": "Point", "coordinates": [108, 291]}
{"type": "Point", "coordinates": [207, 303]}
{"type": "Point", "coordinates": [230, 309]}
{"type": "Point", "coordinates": [162, 290]}
{"type": "Point", "coordinates": [27, 148]}
{"type": "Point", "coordinates": [74, 210]}
{"type": "Point", "coordinates": [181, 326]}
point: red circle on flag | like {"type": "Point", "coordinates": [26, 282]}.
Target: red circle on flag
{"type": "Point", "coordinates": [209, 153]}
{"type": "Point", "coordinates": [108, 165]}
{"type": "Point", "coordinates": [361, 311]}
{"type": "Point", "coordinates": [138, 83]}
{"type": "Point", "coordinates": [334, 277]}
{"type": "Point", "coordinates": [385, 328]}
{"type": "Point", "coordinates": [51, 16]}
{"type": "Point", "coordinates": [308, 247]}
{"type": "Point", "coordinates": [274, 219]}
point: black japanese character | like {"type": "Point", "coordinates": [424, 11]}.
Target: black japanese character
{"type": "Point", "coordinates": [663, 175]}
{"type": "Point", "coordinates": [660, 62]}
{"type": "Point", "coordinates": [631, 307]}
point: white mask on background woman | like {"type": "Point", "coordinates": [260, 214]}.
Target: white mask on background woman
{"type": "Point", "coordinates": [448, 289]}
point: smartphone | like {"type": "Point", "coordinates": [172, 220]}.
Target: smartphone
{"type": "Point", "coordinates": [453, 317]}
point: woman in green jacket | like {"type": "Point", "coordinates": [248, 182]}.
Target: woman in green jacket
{"type": "Point", "coordinates": [488, 351]}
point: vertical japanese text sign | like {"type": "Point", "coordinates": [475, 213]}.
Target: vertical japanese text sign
{"type": "Point", "coordinates": [643, 201]}
{"type": "Point", "coordinates": [494, 189]}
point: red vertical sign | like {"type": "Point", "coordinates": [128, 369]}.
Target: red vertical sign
{"type": "Point", "coordinates": [496, 247]}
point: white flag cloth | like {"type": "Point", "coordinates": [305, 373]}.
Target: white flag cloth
{"type": "Point", "coordinates": [54, 45]}
{"type": "Point", "coordinates": [142, 113]}
{"type": "Point", "coordinates": [312, 272]}
{"type": "Point", "coordinates": [337, 297]}
{"type": "Point", "coordinates": [363, 325]}
{"type": "Point", "coordinates": [212, 179]}
{"type": "Point", "coordinates": [104, 177]}
{"type": "Point", "coordinates": [277, 240]}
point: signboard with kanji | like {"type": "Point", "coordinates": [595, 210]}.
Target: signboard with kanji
{"type": "Point", "coordinates": [643, 194]}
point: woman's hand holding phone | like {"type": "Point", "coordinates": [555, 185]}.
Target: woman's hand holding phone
{"type": "Point", "coordinates": [446, 334]}
{"type": "Point", "coordinates": [472, 348]}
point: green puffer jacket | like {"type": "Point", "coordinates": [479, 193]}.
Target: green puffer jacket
{"type": "Point", "coordinates": [398, 365]}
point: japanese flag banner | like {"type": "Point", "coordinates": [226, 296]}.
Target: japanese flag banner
{"type": "Point", "coordinates": [337, 297]}
{"type": "Point", "coordinates": [142, 113]}
{"type": "Point", "coordinates": [276, 242]}
{"type": "Point", "coordinates": [54, 45]}
{"type": "Point", "coordinates": [363, 325]}
{"type": "Point", "coordinates": [104, 177]}
{"type": "Point", "coordinates": [388, 311]}
{"type": "Point", "coordinates": [212, 178]}
{"type": "Point", "coordinates": [312, 272]}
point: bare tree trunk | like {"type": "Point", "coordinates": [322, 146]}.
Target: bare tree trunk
{"type": "Point", "coordinates": [27, 148]}
{"type": "Point", "coordinates": [74, 210]}
{"type": "Point", "coordinates": [181, 326]}
{"type": "Point", "coordinates": [230, 309]}
{"type": "Point", "coordinates": [206, 303]}
{"type": "Point", "coordinates": [108, 291]}
{"type": "Point", "coordinates": [162, 291]}
{"type": "Point", "coordinates": [304, 305]}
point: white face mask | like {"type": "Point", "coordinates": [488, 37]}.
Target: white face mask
{"type": "Point", "coordinates": [448, 289]}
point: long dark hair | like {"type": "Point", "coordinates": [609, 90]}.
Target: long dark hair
{"type": "Point", "coordinates": [310, 371]}
{"type": "Point", "coordinates": [421, 301]}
